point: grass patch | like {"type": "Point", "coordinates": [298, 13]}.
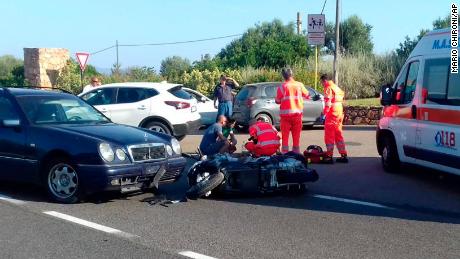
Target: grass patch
{"type": "Point", "coordinates": [363, 102]}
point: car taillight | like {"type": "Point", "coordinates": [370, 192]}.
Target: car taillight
{"type": "Point", "coordinates": [250, 102]}
{"type": "Point", "coordinates": [178, 105]}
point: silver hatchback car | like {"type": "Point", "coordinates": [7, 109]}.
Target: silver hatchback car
{"type": "Point", "coordinates": [258, 100]}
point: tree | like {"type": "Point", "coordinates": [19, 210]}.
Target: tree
{"type": "Point", "coordinates": [69, 78]}
{"type": "Point", "coordinates": [441, 23]}
{"type": "Point", "coordinates": [270, 44]}
{"type": "Point", "coordinates": [142, 74]}
{"type": "Point", "coordinates": [406, 47]}
{"type": "Point", "coordinates": [7, 64]}
{"type": "Point", "coordinates": [173, 67]}
{"type": "Point", "coordinates": [355, 36]}
{"type": "Point", "coordinates": [206, 63]}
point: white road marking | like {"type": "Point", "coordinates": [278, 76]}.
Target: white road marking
{"type": "Point", "coordinates": [89, 224]}
{"type": "Point", "coordinates": [11, 200]}
{"type": "Point", "coordinates": [194, 255]}
{"type": "Point", "coordinates": [371, 204]}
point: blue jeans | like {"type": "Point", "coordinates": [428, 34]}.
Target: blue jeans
{"type": "Point", "coordinates": [225, 108]}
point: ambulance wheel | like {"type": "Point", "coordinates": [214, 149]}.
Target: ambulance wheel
{"type": "Point", "coordinates": [390, 158]}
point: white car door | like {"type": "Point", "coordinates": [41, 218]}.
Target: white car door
{"type": "Point", "coordinates": [132, 105]}
{"type": "Point", "coordinates": [205, 107]}
{"type": "Point", "coordinates": [102, 99]}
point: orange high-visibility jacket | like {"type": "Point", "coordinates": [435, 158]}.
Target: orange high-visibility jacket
{"type": "Point", "coordinates": [333, 98]}
{"type": "Point", "coordinates": [290, 96]}
{"type": "Point", "coordinates": [266, 134]}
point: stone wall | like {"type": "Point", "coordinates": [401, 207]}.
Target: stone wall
{"type": "Point", "coordinates": [362, 115]}
{"type": "Point", "coordinates": [42, 65]}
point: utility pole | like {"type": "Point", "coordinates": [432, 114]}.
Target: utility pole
{"type": "Point", "coordinates": [116, 44]}
{"type": "Point", "coordinates": [299, 23]}
{"type": "Point", "coordinates": [337, 43]}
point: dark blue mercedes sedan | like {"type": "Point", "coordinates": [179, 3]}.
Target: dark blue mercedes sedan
{"type": "Point", "coordinates": [59, 141]}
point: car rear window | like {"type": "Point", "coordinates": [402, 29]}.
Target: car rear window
{"type": "Point", "coordinates": [270, 91]}
{"type": "Point", "coordinates": [245, 93]}
{"type": "Point", "coordinates": [180, 93]}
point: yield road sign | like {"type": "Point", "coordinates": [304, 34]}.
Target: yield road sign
{"type": "Point", "coordinates": [82, 59]}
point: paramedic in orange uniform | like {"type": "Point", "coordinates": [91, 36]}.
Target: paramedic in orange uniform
{"type": "Point", "coordinates": [290, 97]}
{"type": "Point", "coordinates": [333, 111]}
{"type": "Point", "coordinates": [265, 139]}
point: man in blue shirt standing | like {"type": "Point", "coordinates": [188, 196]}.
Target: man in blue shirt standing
{"type": "Point", "coordinates": [213, 141]}
{"type": "Point", "coordinates": [223, 93]}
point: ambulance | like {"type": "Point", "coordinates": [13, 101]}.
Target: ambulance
{"type": "Point", "coordinates": [420, 121]}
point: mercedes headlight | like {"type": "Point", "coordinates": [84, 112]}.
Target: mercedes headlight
{"type": "Point", "coordinates": [121, 155]}
{"type": "Point", "coordinates": [176, 146]}
{"type": "Point", "coordinates": [106, 152]}
{"type": "Point", "coordinates": [169, 150]}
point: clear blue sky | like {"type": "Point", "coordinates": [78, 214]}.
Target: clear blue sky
{"type": "Point", "coordinates": [89, 26]}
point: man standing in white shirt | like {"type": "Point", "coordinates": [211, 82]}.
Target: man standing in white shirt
{"type": "Point", "coordinates": [94, 82]}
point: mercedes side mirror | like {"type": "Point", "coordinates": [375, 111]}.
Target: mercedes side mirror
{"type": "Point", "coordinates": [11, 123]}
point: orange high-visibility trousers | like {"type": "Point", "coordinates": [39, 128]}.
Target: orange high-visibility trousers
{"type": "Point", "coordinates": [258, 150]}
{"type": "Point", "coordinates": [333, 134]}
{"type": "Point", "coordinates": [291, 124]}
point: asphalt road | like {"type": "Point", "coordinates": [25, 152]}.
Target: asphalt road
{"type": "Point", "coordinates": [355, 210]}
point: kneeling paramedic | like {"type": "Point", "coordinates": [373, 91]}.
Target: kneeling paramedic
{"type": "Point", "coordinates": [333, 111]}
{"type": "Point", "coordinates": [265, 139]}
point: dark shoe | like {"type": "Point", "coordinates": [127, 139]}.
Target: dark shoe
{"type": "Point", "coordinates": [342, 159]}
{"type": "Point", "coordinates": [327, 160]}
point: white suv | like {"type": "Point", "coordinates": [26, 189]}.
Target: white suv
{"type": "Point", "coordinates": [161, 107]}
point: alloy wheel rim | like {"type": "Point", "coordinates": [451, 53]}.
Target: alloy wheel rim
{"type": "Point", "coordinates": [157, 129]}
{"type": "Point", "coordinates": [63, 181]}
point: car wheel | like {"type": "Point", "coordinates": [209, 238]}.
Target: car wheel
{"type": "Point", "coordinates": [390, 157]}
{"type": "Point", "coordinates": [158, 127]}
{"type": "Point", "coordinates": [62, 181]}
{"type": "Point", "coordinates": [266, 117]}
{"type": "Point", "coordinates": [180, 137]}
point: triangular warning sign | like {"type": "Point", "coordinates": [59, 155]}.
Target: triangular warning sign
{"type": "Point", "coordinates": [82, 59]}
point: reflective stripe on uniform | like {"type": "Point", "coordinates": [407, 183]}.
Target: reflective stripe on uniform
{"type": "Point", "coordinates": [268, 142]}
{"type": "Point", "coordinates": [289, 111]}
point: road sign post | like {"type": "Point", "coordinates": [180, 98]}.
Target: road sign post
{"type": "Point", "coordinates": [82, 60]}
{"type": "Point", "coordinates": [316, 36]}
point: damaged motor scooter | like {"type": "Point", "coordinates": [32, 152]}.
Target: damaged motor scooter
{"type": "Point", "coordinates": [247, 174]}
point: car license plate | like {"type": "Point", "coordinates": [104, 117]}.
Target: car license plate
{"type": "Point", "coordinates": [193, 108]}
{"type": "Point", "coordinates": [151, 169]}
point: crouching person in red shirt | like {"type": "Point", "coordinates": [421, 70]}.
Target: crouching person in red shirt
{"type": "Point", "coordinates": [265, 139]}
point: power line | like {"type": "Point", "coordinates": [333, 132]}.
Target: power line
{"type": "Point", "coordinates": [325, 1]}
{"type": "Point", "coordinates": [167, 43]}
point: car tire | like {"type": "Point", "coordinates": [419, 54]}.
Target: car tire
{"type": "Point", "coordinates": [201, 188]}
{"type": "Point", "coordinates": [180, 137]}
{"type": "Point", "coordinates": [62, 181]}
{"type": "Point", "coordinates": [265, 116]}
{"type": "Point", "coordinates": [158, 127]}
{"type": "Point", "coordinates": [390, 157]}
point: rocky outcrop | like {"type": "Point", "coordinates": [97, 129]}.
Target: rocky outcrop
{"type": "Point", "coordinates": [43, 65]}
